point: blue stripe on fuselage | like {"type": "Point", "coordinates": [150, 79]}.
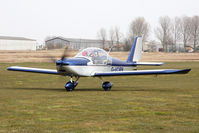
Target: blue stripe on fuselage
{"type": "Point", "coordinates": [84, 61]}
{"type": "Point", "coordinates": [116, 62]}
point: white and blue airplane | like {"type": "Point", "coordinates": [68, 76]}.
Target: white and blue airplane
{"type": "Point", "coordinates": [95, 62]}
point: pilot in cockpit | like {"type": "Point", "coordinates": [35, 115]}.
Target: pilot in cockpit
{"type": "Point", "coordinates": [95, 56]}
{"type": "Point", "coordinates": [84, 53]}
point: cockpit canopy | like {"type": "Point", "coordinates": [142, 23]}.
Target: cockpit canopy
{"type": "Point", "coordinates": [96, 56]}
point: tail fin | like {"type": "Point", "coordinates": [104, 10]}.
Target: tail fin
{"type": "Point", "coordinates": [136, 51]}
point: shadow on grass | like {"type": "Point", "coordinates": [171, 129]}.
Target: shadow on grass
{"type": "Point", "coordinates": [40, 89]}
{"type": "Point", "coordinates": [141, 89]}
{"type": "Point", "coordinates": [55, 89]}
{"type": "Point", "coordinates": [130, 89]}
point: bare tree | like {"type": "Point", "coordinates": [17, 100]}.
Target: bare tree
{"type": "Point", "coordinates": [195, 30]}
{"type": "Point", "coordinates": [163, 32]}
{"type": "Point", "coordinates": [102, 36]}
{"type": "Point", "coordinates": [127, 44]}
{"type": "Point", "coordinates": [139, 27]}
{"type": "Point", "coordinates": [186, 29]}
{"type": "Point", "coordinates": [112, 36]}
{"type": "Point", "coordinates": [176, 32]}
{"type": "Point", "coordinates": [118, 36]}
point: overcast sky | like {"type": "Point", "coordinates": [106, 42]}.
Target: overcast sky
{"type": "Point", "coordinates": [37, 19]}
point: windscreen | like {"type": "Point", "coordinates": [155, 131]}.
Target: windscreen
{"type": "Point", "coordinates": [97, 56]}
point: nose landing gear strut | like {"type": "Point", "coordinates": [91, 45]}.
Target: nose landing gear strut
{"type": "Point", "coordinates": [70, 85]}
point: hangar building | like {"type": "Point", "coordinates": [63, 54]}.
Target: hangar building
{"type": "Point", "coordinates": [17, 43]}
{"type": "Point", "coordinates": [76, 44]}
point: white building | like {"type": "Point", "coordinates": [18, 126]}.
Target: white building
{"type": "Point", "coordinates": [17, 43]}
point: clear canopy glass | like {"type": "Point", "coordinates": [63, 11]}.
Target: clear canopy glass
{"type": "Point", "coordinates": [96, 56]}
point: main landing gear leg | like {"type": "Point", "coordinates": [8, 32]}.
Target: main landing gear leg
{"type": "Point", "coordinates": [70, 85]}
{"type": "Point", "coordinates": [106, 85]}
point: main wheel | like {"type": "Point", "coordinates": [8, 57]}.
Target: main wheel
{"type": "Point", "coordinates": [107, 86]}
{"type": "Point", "coordinates": [69, 86]}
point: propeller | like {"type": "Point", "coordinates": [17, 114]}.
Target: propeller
{"type": "Point", "coordinates": [65, 54]}
{"type": "Point", "coordinates": [54, 58]}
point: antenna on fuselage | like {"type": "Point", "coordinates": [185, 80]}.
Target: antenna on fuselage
{"type": "Point", "coordinates": [110, 48]}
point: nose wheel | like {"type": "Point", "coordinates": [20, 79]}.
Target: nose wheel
{"type": "Point", "coordinates": [70, 85]}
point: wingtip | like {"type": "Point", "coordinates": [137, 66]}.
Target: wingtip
{"type": "Point", "coordinates": [10, 68]}
{"type": "Point", "coordinates": [188, 70]}
{"type": "Point", "coordinates": [184, 71]}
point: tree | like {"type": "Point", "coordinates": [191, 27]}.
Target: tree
{"type": "Point", "coordinates": [176, 31]}
{"type": "Point", "coordinates": [102, 36]}
{"type": "Point", "coordinates": [112, 36]}
{"type": "Point", "coordinates": [118, 36]}
{"type": "Point", "coordinates": [195, 30]}
{"type": "Point", "coordinates": [163, 32]}
{"type": "Point", "coordinates": [186, 29]}
{"type": "Point", "coordinates": [127, 44]}
{"type": "Point", "coordinates": [139, 27]}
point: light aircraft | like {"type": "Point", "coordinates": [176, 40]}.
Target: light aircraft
{"type": "Point", "coordinates": [95, 62]}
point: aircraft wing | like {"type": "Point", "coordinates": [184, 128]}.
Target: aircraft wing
{"type": "Point", "coordinates": [33, 70]}
{"type": "Point", "coordinates": [142, 72]}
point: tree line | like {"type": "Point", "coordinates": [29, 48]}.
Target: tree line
{"type": "Point", "coordinates": [171, 32]}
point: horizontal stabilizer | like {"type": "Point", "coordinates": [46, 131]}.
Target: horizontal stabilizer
{"type": "Point", "coordinates": [142, 72]}
{"type": "Point", "coordinates": [149, 63]}
{"type": "Point", "coordinates": [33, 70]}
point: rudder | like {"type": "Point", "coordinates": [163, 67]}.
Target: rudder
{"type": "Point", "coordinates": [136, 51]}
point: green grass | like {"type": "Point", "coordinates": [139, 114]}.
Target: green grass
{"type": "Point", "coordinates": [38, 103]}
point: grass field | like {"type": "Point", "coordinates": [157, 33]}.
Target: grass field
{"type": "Point", "coordinates": [38, 103]}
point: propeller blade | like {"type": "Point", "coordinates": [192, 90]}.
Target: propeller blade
{"type": "Point", "coordinates": [65, 54]}
{"type": "Point", "coordinates": [51, 57]}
